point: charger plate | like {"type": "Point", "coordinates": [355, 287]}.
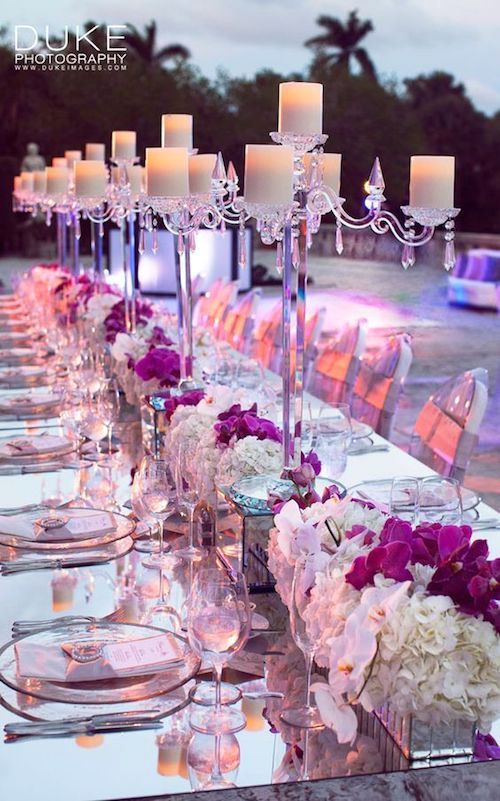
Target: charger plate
{"type": "Point", "coordinates": [124, 527]}
{"type": "Point", "coordinates": [111, 550]}
{"type": "Point", "coordinates": [379, 491]}
{"type": "Point", "coordinates": [106, 691]}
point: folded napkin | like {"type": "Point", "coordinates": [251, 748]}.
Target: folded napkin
{"type": "Point", "coordinates": [86, 523]}
{"type": "Point", "coordinates": [136, 657]}
{"type": "Point", "coordinates": [31, 446]}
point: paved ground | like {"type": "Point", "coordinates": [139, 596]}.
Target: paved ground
{"type": "Point", "coordinates": [446, 340]}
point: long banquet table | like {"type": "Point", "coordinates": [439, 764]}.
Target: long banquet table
{"type": "Point", "coordinates": [125, 765]}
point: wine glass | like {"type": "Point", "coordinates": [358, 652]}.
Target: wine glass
{"type": "Point", "coordinates": [307, 716]}
{"type": "Point", "coordinates": [218, 625]}
{"type": "Point", "coordinates": [187, 488]}
{"type": "Point", "coordinates": [333, 438]}
{"type": "Point", "coordinates": [93, 424]}
{"type": "Point", "coordinates": [110, 406]}
{"type": "Point", "coordinates": [405, 498]}
{"type": "Point", "coordinates": [145, 545]}
{"type": "Point", "coordinates": [158, 496]}
{"type": "Point", "coordinates": [213, 762]}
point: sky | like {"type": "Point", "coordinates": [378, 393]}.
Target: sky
{"type": "Point", "coordinates": [411, 36]}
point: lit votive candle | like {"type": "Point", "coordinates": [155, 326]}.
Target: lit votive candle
{"type": "Point", "coordinates": [330, 166]}
{"type": "Point", "coordinates": [63, 588]}
{"type": "Point", "coordinates": [89, 740]}
{"type": "Point", "coordinates": [432, 182]}
{"type": "Point", "coordinates": [167, 172]}
{"type": "Point", "coordinates": [72, 156]}
{"type": "Point", "coordinates": [95, 151]}
{"type": "Point", "coordinates": [57, 180]}
{"type": "Point", "coordinates": [300, 108]}
{"type": "Point", "coordinates": [253, 708]}
{"type": "Point", "coordinates": [18, 183]}
{"type": "Point", "coordinates": [123, 145]}
{"type": "Point", "coordinates": [90, 179]}
{"type": "Point", "coordinates": [27, 181]}
{"type": "Point", "coordinates": [177, 130]}
{"type": "Point", "coordinates": [200, 173]}
{"type": "Point", "coordinates": [269, 174]}
{"type": "Point", "coordinates": [169, 757]}
{"type": "Point", "coordinates": [59, 161]}
{"type": "Point", "coordinates": [40, 181]}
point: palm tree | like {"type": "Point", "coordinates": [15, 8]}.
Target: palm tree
{"type": "Point", "coordinates": [144, 46]}
{"type": "Point", "coordinates": [343, 39]}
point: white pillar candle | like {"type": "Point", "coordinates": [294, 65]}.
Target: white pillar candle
{"type": "Point", "coordinates": [177, 130]}
{"type": "Point", "coordinates": [90, 179]}
{"type": "Point", "coordinates": [135, 178]}
{"type": "Point", "coordinates": [40, 181]}
{"type": "Point", "coordinates": [72, 156]}
{"type": "Point", "coordinates": [18, 183]}
{"type": "Point", "coordinates": [27, 181]}
{"type": "Point", "coordinates": [269, 174]}
{"type": "Point", "coordinates": [167, 172]}
{"type": "Point", "coordinates": [432, 182]}
{"type": "Point", "coordinates": [95, 152]}
{"type": "Point", "coordinates": [57, 180]}
{"type": "Point", "coordinates": [123, 145]}
{"type": "Point", "coordinates": [200, 173]}
{"type": "Point", "coordinates": [301, 108]}
{"type": "Point", "coordinates": [59, 161]}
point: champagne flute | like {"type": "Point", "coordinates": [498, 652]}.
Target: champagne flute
{"type": "Point", "coordinates": [187, 481]}
{"type": "Point", "coordinates": [307, 716]}
{"type": "Point", "coordinates": [218, 625]}
{"type": "Point", "coordinates": [158, 496]}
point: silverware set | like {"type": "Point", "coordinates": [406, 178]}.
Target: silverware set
{"type": "Point", "coordinates": [362, 449]}
{"type": "Point", "coordinates": [94, 724]}
{"type": "Point", "coordinates": [60, 563]}
{"type": "Point", "coordinates": [20, 627]}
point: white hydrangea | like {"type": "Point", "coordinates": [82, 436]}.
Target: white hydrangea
{"type": "Point", "coordinates": [249, 457]}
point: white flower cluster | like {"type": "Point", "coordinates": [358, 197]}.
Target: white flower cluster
{"type": "Point", "coordinates": [387, 643]}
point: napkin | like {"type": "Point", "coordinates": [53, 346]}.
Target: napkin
{"type": "Point", "coordinates": [87, 523]}
{"type": "Point", "coordinates": [134, 657]}
{"type": "Point", "coordinates": [29, 401]}
{"type": "Point", "coordinates": [30, 446]}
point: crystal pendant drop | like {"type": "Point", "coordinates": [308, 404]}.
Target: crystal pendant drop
{"type": "Point", "coordinates": [242, 248]}
{"type": "Point", "coordinates": [142, 244]}
{"type": "Point", "coordinates": [48, 218]}
{"type": "Point", "coordinates": [192, 241]}
{"type": "Point", "coordinates": [279, 257]}
{"type": "Point", "coordinates": [78, 231]}
{"type": "Point", "coordinates": [309, 238]}
{"type": "Point", "coordinates": [295, 253]}
{"type": "Point", "coordinates": [180, 244]}
{"type": "Point", "coordinates": [405, 257]}
{"type": "Point", "coordinates": [232, 175]}
{"type": "Point", "coordinates": [154, 245]}
{"type": "Point", "coordinates": [100, 229]}
{"type": "Point", "coordinates": [449, 255]}
{"type": "Point", "coordinates": [339, 240]}
{"type": "Point", "coordinates": [149, 221]}
{"type": "Point", "coordinates": [411, 256]}
{"type": "Point", "coordinates": [222, 226]}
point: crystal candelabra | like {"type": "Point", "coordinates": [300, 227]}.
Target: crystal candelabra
{"type": "Point", "coordinates": [125, 205]}
{"type": "Point", "coordinates": [292, 227]}
{"type": "Point", "coordinates": [182, 216]}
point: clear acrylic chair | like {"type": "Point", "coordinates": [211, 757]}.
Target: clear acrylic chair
{"type": "Point", "coordinates": [446, 430]}
{"type": "Point", "coordinates": [379, 384]}
{"type": "Point", "coordinates": [239, 322]}
{"type": "Point", "coordinates": [337, 365]}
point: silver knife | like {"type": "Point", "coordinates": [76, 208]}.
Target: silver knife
{"type": "Point", "coordinates": [368, 449]}
{"type": "Point", "coordinates": [26, 727]}
{"type": "Point", "coordinates": [10, 568]}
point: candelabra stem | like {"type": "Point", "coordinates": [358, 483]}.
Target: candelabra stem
{"type": "Point", "coordinates": [286, 342]}
{"type": "Point", "coordinates": [61, 239]}
{"type": "Point", "coordinates": [96, 248]}
{"type": "Point", "coordinates": [185, 313]}
{"type": "Point", "coordinates": [126, 290]}
{"type": "Point", "coordinates": [76, 245]}
{"type": "Point", "coordinates": [132, 268]}
{"type": "Point", "coordinates": [300, 327]}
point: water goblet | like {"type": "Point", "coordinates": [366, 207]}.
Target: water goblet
{"type": "Point", "coordinates": [157, 492]}
{"type": "Point", "coordinates": [333, 434]}
{"type": "Point", "coordinates": [218, 625]}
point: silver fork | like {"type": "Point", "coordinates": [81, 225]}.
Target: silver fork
{"type": "Point", "coordinates": [20, 627]}
{"type": "Point", "coordinates": [115, 721]}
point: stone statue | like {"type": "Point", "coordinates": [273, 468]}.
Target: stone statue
{"type": "Point", "coordinates": [32, 160]}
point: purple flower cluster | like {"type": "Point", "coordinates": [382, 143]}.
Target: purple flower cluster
{"type": "Point", "coordinates": [303, 480]}
{"type": "Point", "coordinates": [485, 747]}
{"type": "Point", "coordinates": [169, 403]}
{"type": "Point", "coordinates": [463, 571]}
{"type": "Point", "coordinates": [115, 322]}
{"type": "Point", "coordinates": [238, 423]}
{"type": "Point", "coordinates": [159, 338]}
{"type": "Point", "coordinates": [162, 364]}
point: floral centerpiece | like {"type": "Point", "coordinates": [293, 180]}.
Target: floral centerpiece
{"type": "Point", "coordinates": [401, 615]}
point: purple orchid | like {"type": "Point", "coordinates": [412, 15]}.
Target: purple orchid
{"type": "Point", "coordinates": [158, 337]}
{"type": "Point", "coordinates": [237, 423]}
{"type": "Point", "coordinates": [162, 364]}
{"type": "Point", "coordinates": [391, 560]}
{"type": "Point", "coordinates": [485, 747]}
{"type": "Point", "coordinates": [115, 322]}
{"type": "Point", "coordinates": [169, 403]}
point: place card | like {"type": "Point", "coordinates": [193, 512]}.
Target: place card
{"type": "Point", "coordinates": [149, 652]}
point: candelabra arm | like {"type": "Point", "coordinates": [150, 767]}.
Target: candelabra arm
{"type": "Point", "coordinates": [322, 199]}
{"type": "Point", "coordinates": [387, 221]}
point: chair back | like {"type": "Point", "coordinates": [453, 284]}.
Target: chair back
{"type": "Point", "coordinates": [337, 365]}
{"type": "Point", "coordinates": [239, 321]}
{"type": "Point", "coordinates": [446, 430]}
{"type": "Point", "coordinates": [207, 303]}
{"type": "Point", "coordinates": [378, 387]}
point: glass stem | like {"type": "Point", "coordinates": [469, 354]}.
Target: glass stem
{"type": "Point", "coordinates": [191, 528]}
{"type": "Point", "coordinates": [110, 435]}
{"type": "Point", "coordinates": [309, 661]}
{"type": "Point", "coordinates": [160, 538]}
{"type": "Point", "coordinates": [218, 689]}
{"type": "Point", "coordinates": [216, 772]}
